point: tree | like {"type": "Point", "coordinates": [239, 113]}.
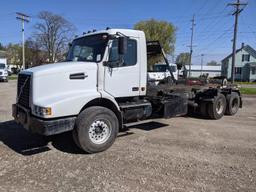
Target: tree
{"type": "Point", "coordinates": [34, 56]}
{"type": "Point", "coordinates": [183, 59]}
{"type": "Point", "coordinates": [212, 63]}
{"type": "Point", "coordinates": [2, 47]}
{"type": "Point", "coordinates": [14, 54]}
{"type": "Point", "coordinates": [53, 34]}
{"type": "Point", "coordinates": [162, 31]}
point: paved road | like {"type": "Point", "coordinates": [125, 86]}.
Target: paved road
{"type": "Point", "coordinates": [179, 154]}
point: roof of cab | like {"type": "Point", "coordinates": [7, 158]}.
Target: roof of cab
{"type": "Point", "coordinates": [127, 32]}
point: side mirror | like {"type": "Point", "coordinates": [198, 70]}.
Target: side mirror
{"type": "Point", "coordinates": [69, 44]}
{"type": "Point", "coordinates": [122, 45]}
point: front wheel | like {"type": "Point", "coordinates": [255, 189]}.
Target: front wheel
{"type": "Point", "coordinates": [217, 109]}
{"type": "Point", "coordinates": [96, 129]}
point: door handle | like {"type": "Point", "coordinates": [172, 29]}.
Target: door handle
{"type": "Point", "coordinates": [77, 76]}
{"type": "Point", "coordinates": [135, 89]}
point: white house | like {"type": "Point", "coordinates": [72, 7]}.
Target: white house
{"type": "Point", "coordinates": [245, 66]}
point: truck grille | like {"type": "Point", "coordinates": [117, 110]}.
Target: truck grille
{"type": "Point", "coordinates": [23, 90]}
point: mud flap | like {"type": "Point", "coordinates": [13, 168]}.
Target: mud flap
{"type": "Point", "coordinates": [175, 106]}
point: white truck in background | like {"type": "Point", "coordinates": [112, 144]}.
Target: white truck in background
{"type": "Point", "coordinates": [3, 70]}
{"type": "Point", "coordinates": [103, 86]}
{"type": "Point", "coordinates": [160, 71]}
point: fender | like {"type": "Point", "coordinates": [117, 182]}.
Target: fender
{"type": "Point", "coordinates": [108, 102]}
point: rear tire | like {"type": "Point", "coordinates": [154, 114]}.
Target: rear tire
{"type": "Point", "coordinates": [233, 103]}
{"type": "Point", "coordinates": [217, 109]}
{"type": "Point", "coordinates": [96, 129]}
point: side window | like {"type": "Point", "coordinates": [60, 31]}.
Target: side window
{"type": "Point", "coordinates": [113, 56]}
{"type": "Point", "coordinates": [245, 57]}
{"type": "Point", "coordinates": [253, 70]}
{"type": "Point", "coordinates": [130, 58]}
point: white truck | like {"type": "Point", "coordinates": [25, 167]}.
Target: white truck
{"type": "Point", "coordinates": [160, 71]}
{"type": "Point", "coordinates": [3, 71]}
{"type": "Point", "coordinates": [102, 87]}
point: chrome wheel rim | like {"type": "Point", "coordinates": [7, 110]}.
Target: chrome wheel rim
{"type": "Point", "coordinates": [219, 107]}
{"type": "Point", "coordinates": [99, 131]}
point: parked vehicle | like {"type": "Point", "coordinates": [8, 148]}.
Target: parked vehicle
{"type": "Point", "coordinates": [102, 88]}
{"type": "Point", "coordinates": [10, 72]}
{"type": "Point", "coordinates": [3, 72]}
{"type": "Point", "coordinates": [160, 72]}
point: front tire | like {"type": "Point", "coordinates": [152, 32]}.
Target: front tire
{"type": "Point", "coordinates": [96, 129]}
{"type": "Point", "coordinates": [217, 109]}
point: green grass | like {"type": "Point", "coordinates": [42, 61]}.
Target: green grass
{"type": "Point", "coordinates": [248, 91]}
{"type": "Point", "coordinates": [245, 83]}
{"type": "Point", "coordinates": [13, 77]}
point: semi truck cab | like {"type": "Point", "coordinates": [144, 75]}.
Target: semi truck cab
{"type": "Point", "coordinates": [100, 88]}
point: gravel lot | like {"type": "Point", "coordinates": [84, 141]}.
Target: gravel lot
{"type": "Point", "coordinates": [179, 154]}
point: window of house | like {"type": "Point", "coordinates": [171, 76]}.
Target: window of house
{"type": "Point", "coordinates": [238, 70]}
{"type": "Point", "coordinates": [130, 58]}
{"type": "Point", "coordinates": [253, 70]}
{"type": "Point", "coordinates": [245, 57]}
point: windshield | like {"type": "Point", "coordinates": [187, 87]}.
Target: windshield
{"type": "Point", "coordinates": [163, 68]}
{"type": "Point", "coordinates": [89, 48]}
{"type": "Point", "coordinates": [159, 68]}
{"type": "Point", "coordinates": [2, 66]}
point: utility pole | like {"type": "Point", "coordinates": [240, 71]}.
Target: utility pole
{"type": "Point", "coordinates": [236, 14]}
{"type": "Point", "coordinates": [202, 61]}
{"type": "Point", "coordinates": [191, 44]}
{"type": "Point", "coordinates": [24, 18]}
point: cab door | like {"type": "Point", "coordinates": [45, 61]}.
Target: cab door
{"type": "Point", "coordinates": [123, 80]}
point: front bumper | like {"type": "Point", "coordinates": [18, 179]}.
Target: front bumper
{"type": "Point", "coordinates": [41, 126]}
{"type": "Point", "coordinates": [3, 77]}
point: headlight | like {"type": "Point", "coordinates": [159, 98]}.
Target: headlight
{"type": "Point", "coordinates": [42, 111]}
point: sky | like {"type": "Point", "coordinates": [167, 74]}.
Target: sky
{"type": "Point", "coordinates": [213, 18]}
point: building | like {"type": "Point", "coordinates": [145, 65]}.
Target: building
{"type": "Point", "coordinates": [212, 71]}
{"type": "Point", "coordinates": [3, 57]}
{"type": "Point", "coordinates": [245, 66]}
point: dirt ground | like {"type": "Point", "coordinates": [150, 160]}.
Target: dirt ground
{"type": "Point", "coordinates": [179, 154]}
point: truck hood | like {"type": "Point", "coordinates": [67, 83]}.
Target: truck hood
{"type": "Point", "coordinates": [63, 67]}
{"type": "Point", "coordinates": [52, 86]}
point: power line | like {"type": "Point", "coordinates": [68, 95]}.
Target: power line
{"type": "Point", "coordinates": [249, 27]}
{"type": "Point", "coordinates": [236, 13]}
{"type": "Point", "coordinates": [216, 39]}
{"type": "Point", "coordinates": [203, 6]}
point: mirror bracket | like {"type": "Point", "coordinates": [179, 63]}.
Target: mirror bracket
{"type": "Point", "coordinates": [122, 45]}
